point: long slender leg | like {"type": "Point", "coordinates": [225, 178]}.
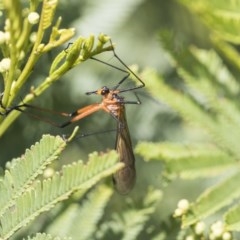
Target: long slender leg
{"type": "Point", "coordinates": [138, 101]}
{"type": "Point", "coordinates": [134, 74]}
{"type": "Point", "coordinates": [74, 116]}
{"type": "Point", "coordinates": [25, 105]}
{"type": "Point", "coordinates": [122, 70]}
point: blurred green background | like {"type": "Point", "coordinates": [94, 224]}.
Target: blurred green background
{"type": "Point", "coordinates": [134, 27]}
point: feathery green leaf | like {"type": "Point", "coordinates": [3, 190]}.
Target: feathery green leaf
{"type": "Point", "coordinates": [188, 161]}
{"type": "Point", "coordinates": [41, 196]}
{"type": "Point", "coordinates": [85, 216]}
{"type": "Point", "coordinates": [222, 17]}
{"type": "Point", "coordinates": [44, 236]}
{"type": "Point", "coordinates": [213, 199]}
{"type": "Point", "coordinates": [23, 171]}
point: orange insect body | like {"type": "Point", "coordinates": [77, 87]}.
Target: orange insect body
{"type": "Point", "coordinates": [112, 103]}
{"type": "Point", "coordinates": [124, 179]}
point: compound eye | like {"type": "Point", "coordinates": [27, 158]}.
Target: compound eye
{"type": "Point", "coordinates": [105, 90]}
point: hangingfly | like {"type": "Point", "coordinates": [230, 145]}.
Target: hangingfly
{"type": "Point", "coordinates": [114, 104]}
{"type": "Point", "coordinates": [124, 179]}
